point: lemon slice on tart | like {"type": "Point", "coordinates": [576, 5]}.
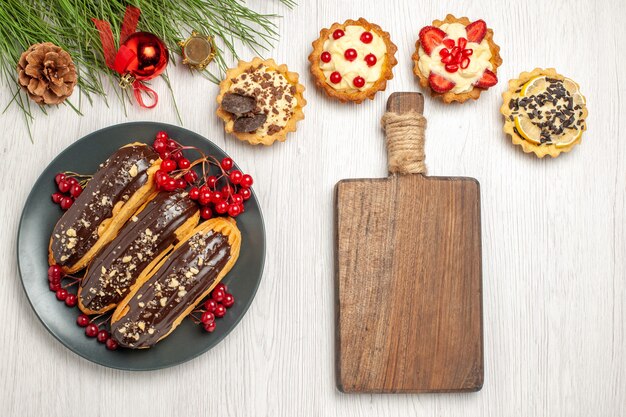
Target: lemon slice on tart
{"type": "Point", "coordinates": [549, 111]}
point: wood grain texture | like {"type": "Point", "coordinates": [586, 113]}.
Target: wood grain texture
{"type": "Point", "coordinates": [409, 285]}
{"type": "Point", "coordinates": [553, 231]}
{"type": "Point", "coordinates": [411, 243]}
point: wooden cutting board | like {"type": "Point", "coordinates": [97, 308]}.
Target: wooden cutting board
{"type": "Point", "coordinates": [408, 280]}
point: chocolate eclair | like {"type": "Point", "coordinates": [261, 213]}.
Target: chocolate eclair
{"type": "Point", "coordinates": [148, 236]}
{"type": "Point", "coordinates": [120, 186]}
{"type": "Point", "coordinates": [161, 299]}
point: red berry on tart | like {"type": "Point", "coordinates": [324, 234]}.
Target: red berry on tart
{"type": "Point", "coordinates": [352, 61]}
{"type": "Point", "coordinates": [456, 58]}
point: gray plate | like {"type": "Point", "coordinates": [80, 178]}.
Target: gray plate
{"type": "Point", "coordinates": [41, 214]}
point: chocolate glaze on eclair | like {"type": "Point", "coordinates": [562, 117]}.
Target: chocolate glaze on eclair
{"type": "Point", "coordinates": [149, 235]}
{"type": "Point", "coordinates": [171, 291]}
{"type": "Point", "coordinates": [119, 187]}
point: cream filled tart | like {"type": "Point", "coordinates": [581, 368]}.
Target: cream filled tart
{"type": "Point", "coordinates": [123, 183]}
{"type": "Point", "coordinates": [352, 61]}
{"type": "Point", "coordinates": [162, 298]}
{"type": "Point", "coordinates": [544, 112]}
{"type": "Point", "coordinates": [456, 58]}
{"type": "Point", "coordinates": [149, 235]}
{"type": "Point", "coordinates": [260, 101]}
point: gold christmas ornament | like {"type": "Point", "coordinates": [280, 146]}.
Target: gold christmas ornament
{"type": "Point", "coordinates": [198, 50]}
{"type": "Point", "coordinates": [47, 73]}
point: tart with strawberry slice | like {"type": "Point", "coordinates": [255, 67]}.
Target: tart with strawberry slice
{"type": "Point", "coordinates": [456, 58]}
{"type": "Point", "coordinates": [544, 112]}
{"type": "Point", "coordinates": [352, 61]}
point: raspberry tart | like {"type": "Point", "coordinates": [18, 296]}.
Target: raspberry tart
{"type": "Point", "coordinates": [260, 101]}
{"type": "Point", "coordinates": [456, 58]}
{"type": "Point", "coordinates": [352, 61]}
{"type": "Point", "coordinates": [544, 112]}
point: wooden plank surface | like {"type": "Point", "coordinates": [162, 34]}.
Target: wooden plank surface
{"type": "Point", "coordinates": [554, 233]}
{"type": "Point", "coordinates": [408, 271]}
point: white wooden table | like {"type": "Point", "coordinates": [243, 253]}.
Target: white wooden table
{"type": "Point", "coordinates": [554, 234]}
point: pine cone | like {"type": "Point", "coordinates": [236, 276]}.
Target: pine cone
{"type": "Point", "coordinates": [47, 72]}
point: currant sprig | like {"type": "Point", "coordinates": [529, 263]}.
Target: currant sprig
{"type": "Point", "coordinates": [224, 193]}
{"type": "Point", "coordinates": [69, 185]}
{"type": "Point", "coordinates": [214, 307]}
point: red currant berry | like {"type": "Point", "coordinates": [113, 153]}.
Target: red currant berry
{"type": "Point", "coordinates": [217, 295]}
{"type": "Point", "coordinates": [56, 197]}
{"type": "Point", "coordinates": [54, 286]}
{"type": "Point", "coordinates": [177, 155]}
{"type": "Point", "coordinates": [229, 300]}
{"type": "Point", "coordinates": [183, 163]}
{"type": "Point", "coordinates": [350, 54]}
{"type": "Point", "coordinates": [170, 184]}
{"type": "Point", "coordinates": [71, 181]}
{"type": "Point", "coordinates": [325, 56]}
{"type": "Point", "coordinates": [338, 34]}
{"type": "Point", "coordinates": [59, 177]}
{"type": "Point", "coordinates": [181, 183]}
{"type": "Point", "coordinates": [206, 213]}
{"type": "Point", "coordinates": [210, 305]}
{"type": "Point", "coordinates": [194, 193]}
{"type": "Point", "coordinates": [61, 294]}
{"type": "Point", "coordinates": [370, 60]}
{"type": "Point", "coordinates": [227, 164]}
{"type": "Point", "coordinates": [237, 199]}
{"type": "Point", "coordinates": [220, 311]}
{"type": "Point", "coordinates": [172, 145]}
{"type": "Point", "coordinates": [211, 181]}
{"type": "Point", "coordinates": [246, 181]}
{"type": "Point", "coordinates": [64, 186]}
{"type": "Point", "coordinates": [103, 336]}
{"type": "Point", "coordinates": [209, 327]}
{"type": "Point", "coordinates": [234, 210]}
{"type": "Point", "coordinates": [161, 178]}
{"type": "Point", "coordinates": [91, 330]}
{"type": "Point", "coordinates": [111, 344]}
{"type": "Point", "coordinates": [335, 77]}
{"type": "Point", "coordinates": [82, 320]}
{"type": "Point", "coordinates": [217, 197]}
{"type": "Point", "coordinates": [55, 271]}
{"type": "Point", "coordinates": [358, 81]}
{"type": "Point", "coordinates": [166, 155]}
{"type": "Point", "coordinates": [76, 190]}
{"type": "Point", "coordinates": [245, 193]}
{"type": "Point", "coordinates": [227, 190]}
{"type": "Point", "coordinates": [367, 37]}
{"type": "Point", "coordinates": [235, 176]}
{"type": "Point", "coordinates": [161, 135]}
{"type": "Point", "coordinates": [71, 300]}
{"type": "Point", "coordinates": [205, 197]}
{"type": "Point", "coordinates": [207, 317]}
{"type": "Point", "coordinates": [221, 207]}
{"type": "Point", "coordinates": [168, 165]}
{"type": "Point", "coordinates": [66, 202]}
{"type": "Point", "coordinates": [221, 287]}
{"type": "Point", "coordinates": [160, 146]}
{"type": "Point", "coordinates": [191, 177]}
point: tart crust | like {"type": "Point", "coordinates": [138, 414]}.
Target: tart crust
{"type": "Point", "coordinates": [474, 93]}
{"type": "Point", "coordinates": [355, 96]}
{"type": "Point", "coordinates": [509, 126]}
{"type": "Point", "coordinates": [253, 138]}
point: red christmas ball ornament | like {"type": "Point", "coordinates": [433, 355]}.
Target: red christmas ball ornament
{"type": "Point", "coordinates": [143, 55]}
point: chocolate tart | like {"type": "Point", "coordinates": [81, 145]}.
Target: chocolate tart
{"type": "Point", "coordinates": [123, 183]}
{"type": "Point", "coordinates": [260, 101]}
{"type": "Point", "coordinates": [471, 80]}
{"type": "Point", "coordinates": [162, 298]}
{"type": "Point", "coordinates": [143, 241]}
{"type": "Point", "coordinates": [352, 61]}
{"type": "Point", "coordinates": [544, 112]}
